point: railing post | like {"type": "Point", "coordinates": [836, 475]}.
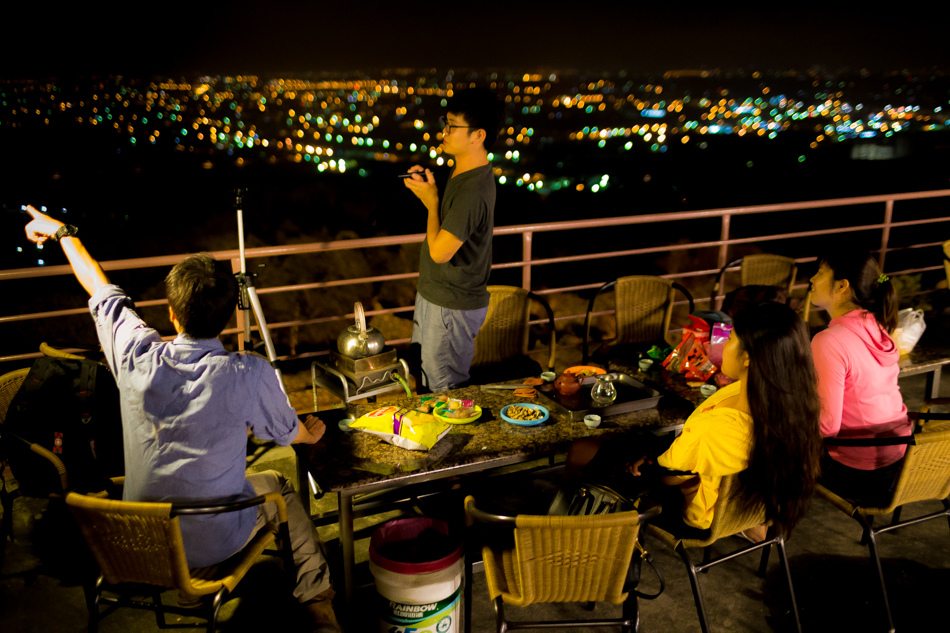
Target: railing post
{"type": "Point", "coordinates": [526, 238]}
{"type": "Point", "coordinates": [724, 237]}
{"type": "Point", "coordinates": [236, 268]}
{"type": "Point", "coordinates": [886, 232]}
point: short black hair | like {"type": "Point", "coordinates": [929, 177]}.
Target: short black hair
{"type": "Point", "coordinates": [203, 294]}
{"type": "Point", "coordinates": [481, 109]}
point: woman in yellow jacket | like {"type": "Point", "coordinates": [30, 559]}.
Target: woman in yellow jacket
{"type": "Point", "coordinates": [765, 427]}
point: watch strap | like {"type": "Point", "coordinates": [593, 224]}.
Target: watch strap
{"type": "Point", "coordinates": [66, 230]}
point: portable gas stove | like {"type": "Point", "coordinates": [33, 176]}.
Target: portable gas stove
{"type": "Point", "coordinates": [354, 379]}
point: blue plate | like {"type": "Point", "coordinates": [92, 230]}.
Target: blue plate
{"type": "Point", "coordinates": [529, 405]}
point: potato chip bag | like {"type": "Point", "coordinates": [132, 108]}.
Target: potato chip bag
{"type": "Point", "coordinates": [406, 428]}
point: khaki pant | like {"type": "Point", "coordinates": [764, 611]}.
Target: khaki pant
{"type": "Point", "coordinates": [313, 573]}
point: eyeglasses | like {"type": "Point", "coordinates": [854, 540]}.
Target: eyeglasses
{"type": "Point", "coordinates": [448, 127]}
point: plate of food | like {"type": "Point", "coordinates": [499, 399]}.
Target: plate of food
{"type": "Point", "coordinates": [461, 415]}
{"type": "Point", "coordinates": [524, 414]}
{"type": "Point", "coordinates": [583, 371]}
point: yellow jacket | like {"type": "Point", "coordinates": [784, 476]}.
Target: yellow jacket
{"type": "Point", "coordinates": [716, 441]}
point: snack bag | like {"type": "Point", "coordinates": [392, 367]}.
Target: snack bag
{"type": "Point", "coordinates": [674, 361]}
{"type": "Point", "coordinates": [403, 427]}
{"type": "Point", "coordinates": [697, 366]}
{"type": "Point", "coordinates": [697, 327]}
{"type": "Point", "coordinates": [428, 404]}
{"type": "Point", "coordinates": [717, 339]}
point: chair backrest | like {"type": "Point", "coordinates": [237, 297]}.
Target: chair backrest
{"type": "Point", "coordinates": [760, 269]}
{"type": "Point", "coordinates": [132, 541]}
{"type": "Point", "coordinates": [768, 270]}
{"type": "Point", "coordinates": [574, 558]}
{"type": "Point", "coordinates": [504, 334]}
{"type": "Point", "coordinates": [644, 308]}
{"type": "Point", "coordinates": [9, 385]}
{"type": "Point", "coordinates": [733, 513]}
{"type": "Point", "coordinates": [925, 473]}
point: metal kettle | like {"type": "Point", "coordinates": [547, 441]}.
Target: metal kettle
{"type": "Point", "coordinates": [359, 341]}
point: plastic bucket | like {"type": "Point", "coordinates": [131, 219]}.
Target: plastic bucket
{"type": "Point", "coordinates": [417, 566]}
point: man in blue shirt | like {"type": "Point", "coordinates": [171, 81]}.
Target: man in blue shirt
{"type": "Point", "coordinates": [186, 408]}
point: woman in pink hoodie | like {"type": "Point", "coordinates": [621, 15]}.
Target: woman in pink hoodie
{"type": "Point", "coordinates": [856, 363]}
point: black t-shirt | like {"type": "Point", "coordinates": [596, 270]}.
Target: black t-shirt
{"type": "Point", "coordinates": [467, 212]}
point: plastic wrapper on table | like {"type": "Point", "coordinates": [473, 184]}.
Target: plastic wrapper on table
{"type": "Point", "coordinates": [910, 327]}
{"type": "Point", "coordinates": [406, 428]}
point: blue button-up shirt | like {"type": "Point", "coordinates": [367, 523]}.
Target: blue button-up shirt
{"type": "Point", "coordinates": [186, 407]}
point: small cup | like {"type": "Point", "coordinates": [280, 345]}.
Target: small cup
{"type": "Point", "coordinates": [708, 390]}
{"type": "Point", "coordinates": [344, 424]}
{"type": "Point", "coordinates": [592, 421]}
{"type": "Point", "coordinates": [548, 376]}
{"type": "Point", "coordinates": [646, 364]}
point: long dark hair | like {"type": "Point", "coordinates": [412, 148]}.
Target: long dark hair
{"type": "Point", "coordinates": [782, 389]}
{"type": "Point", "coordinates": [869, 288]}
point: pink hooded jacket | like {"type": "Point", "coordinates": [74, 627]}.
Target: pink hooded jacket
{"type": "Point", "coordinates": [856, 362]}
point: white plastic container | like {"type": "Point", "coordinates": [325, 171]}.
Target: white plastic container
{"type": "Point", "coordinates": [418, 596]}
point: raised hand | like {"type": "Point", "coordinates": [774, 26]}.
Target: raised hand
{"type": "Point", "coordinates": [42, 227]}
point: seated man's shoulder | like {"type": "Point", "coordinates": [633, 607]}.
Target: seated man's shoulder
{"type": "Point", "coordinates": [250, 361]}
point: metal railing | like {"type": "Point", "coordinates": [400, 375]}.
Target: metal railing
{"type": "Point", "coordinates": [880, 210]}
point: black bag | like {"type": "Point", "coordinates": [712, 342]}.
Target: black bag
{"type": "Point", "coordinates": [70, 407]}
{"type": "Point", "coordinates": [587, 498]}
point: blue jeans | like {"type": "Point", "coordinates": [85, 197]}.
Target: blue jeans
{"type": "Point", "coordinates": [447, 341]}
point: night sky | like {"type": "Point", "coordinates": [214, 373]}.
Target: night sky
{"type": "Point", "coordinates": [167, 38]}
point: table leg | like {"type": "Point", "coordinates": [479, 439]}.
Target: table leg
{"type": "Point", "coordinates": [933, 383]}
{"type": "Point", "coordinates": [345, 508]}
{"type": "Point", "coordinates": [303, 483]}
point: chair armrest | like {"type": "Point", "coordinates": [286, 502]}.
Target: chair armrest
{"type": "Point", "coordinates": [688, 294]}
{"type": "Point", "coordinates": [717, 284]}
{"type": "Point", "coordinates": [209, 507]}
{"type": "Point", "coordinates": [650, 514]}
{"type": "Point", "coordinates": [590, 308]}
{"type": "Point", "coordinates": [662, 471]}
{"type": "Point", "coordinates": [870, 441]}
{"type": "Point", "coordinates": [484, 517]}
{"type": "Point", "coordinates": [49, 456]}
{"type": "Point", "coordinates": [552, 342]}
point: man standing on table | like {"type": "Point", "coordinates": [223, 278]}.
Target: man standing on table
{"type": "Point", "coordinates": [452, 296]}
{"type": "Point", "coordinates": [186, 407]}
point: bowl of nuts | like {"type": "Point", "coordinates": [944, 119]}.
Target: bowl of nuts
{"type": "Point", "coordinates": [524, 414]}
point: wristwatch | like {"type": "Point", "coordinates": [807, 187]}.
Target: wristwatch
{"type": "Point", "coordinates": [66, 230]}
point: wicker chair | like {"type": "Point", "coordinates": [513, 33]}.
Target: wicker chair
{"type": "Point", "coordinates": [139, 549]}
{"type": "Point", "coordinates": [9, 386]}
{"type": "Point", "coordinates": [761, 269]}
{"type": "Point", "coordinates": [504, 336]}
{"type": "Point", "coordinates": [732, 515]}
{"type": "Point", "coordinates": [588, 562]}
{"type": "Point", "coordinates": [643, 313]}
{"type": "Point", "coordinates": [924, 476]}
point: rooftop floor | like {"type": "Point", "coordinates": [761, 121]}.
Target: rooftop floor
{"type": "Point", "coordinates": [835, 584]}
